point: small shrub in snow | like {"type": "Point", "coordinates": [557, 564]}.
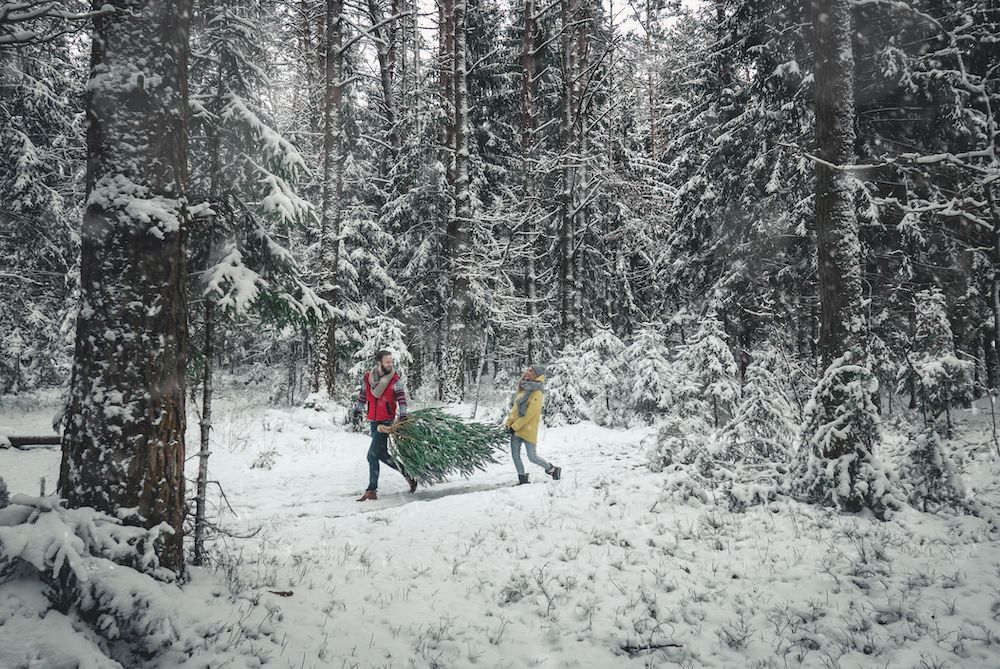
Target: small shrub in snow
{"type": "Point", "coordinates": [762, 427]}
{"type": "Point", "coordinates": [708, 370]}
{"type": "Point", "coordinates": [265, 459]}
{"type": "Point", "coordinates": [680, 440]}
{"type": "Point", "coordinates": [93, 569]}
{"type": "Point", "coordinates": [930, 476]}
{"type": "Point", "coordinates": [4, 495]}
{"type": "Point", "coordinates": [588, 382]}
{"type": "Point", "coordinates": [940, 379]}
{"type": "Point", "coordinates": [836, 466]}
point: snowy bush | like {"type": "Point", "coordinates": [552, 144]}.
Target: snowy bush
{"type": "Point", "coordinates": [836, 466]}
{"type": "Point", "coordinates": [4, 496]}
{"type": "Point", "coordinates": [651, 376]}
{"type": "Point", "coordinates": [940, 379]}
{"type": "Point", "coordinates": [91, 569]}
{"type": "Point", "coordinates": [587, 383]}
{"type": "Point", "coordinates": [680, 440]}
{"type": "Point", "coordinates": [762, 427]}
{"type": "Point", "coordinates": [708, 370]}
{"type": "Point", "coordinates": [929, 474]}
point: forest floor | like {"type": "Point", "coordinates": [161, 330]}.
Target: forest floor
{"type": "Point", "coordinates": [604, 568]}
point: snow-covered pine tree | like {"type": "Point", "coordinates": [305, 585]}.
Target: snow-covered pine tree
{"type": "Point", "coordinates": [764, 425]}
{"type": "Point", "coordinates": [929, 474]}
{"type": "Point", "coordinates": [836, 465]}
{"type": "Point", "coordinates": [245, 177]}
{"type": "Point", "coordinates": [42, 161]}
{"type": "Point", "coordinates": [651, 378]}
{"type": "Point", "coordinates": [941, 380]}
{"type": "Point", "coordinates": [710, 369]}
{"type": "Point", "coordinates": [381, 333]}
{"type": "Point", "coordinates": [589, 382]}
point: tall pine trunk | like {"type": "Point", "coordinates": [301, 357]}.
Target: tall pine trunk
{"type": "Point", "coordinates": [529, 195]}
{"type": "Point", "coordinates": [123, 445]}
{"type": "Point", "coordinates": [836, 466]}
{"type": "Point", "coordinates": [325, 360]}
{"type": "Point", "coordinates": [571, 28]}
{"type": "Point", "coordinates": [837, 245]}
{"type": "Point", "coordinates": [458, 311]}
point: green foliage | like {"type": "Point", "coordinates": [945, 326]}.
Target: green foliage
{"type": "Point", "coordinates": [431, 445]}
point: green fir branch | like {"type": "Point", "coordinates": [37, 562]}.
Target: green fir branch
{"type": "Point", "coordinates": [431, 445]}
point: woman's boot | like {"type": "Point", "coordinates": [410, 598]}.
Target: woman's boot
{"type": "Point", "coordinates": [522, 479]}
{"type": "Point", "coordinates": [369, 494]}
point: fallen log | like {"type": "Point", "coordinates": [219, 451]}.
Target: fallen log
{"type": "Point", "coordinates": [22, 442]}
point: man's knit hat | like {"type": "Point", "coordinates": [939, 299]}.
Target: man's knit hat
{"type": "Point", "coordinates": [539, 368]}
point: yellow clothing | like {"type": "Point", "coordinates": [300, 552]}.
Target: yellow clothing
{"type": "Point", "coordinates": [526, 426]}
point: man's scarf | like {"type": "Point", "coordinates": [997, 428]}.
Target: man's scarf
{"type": "Point", "coordinates": [378, 384]}
{"type": "Point", "coordinates": [528, 387]}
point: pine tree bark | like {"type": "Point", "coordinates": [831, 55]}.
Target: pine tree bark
{"type": "Point", "coordinates": [837, 244]}
{"type": "Point", "coordinates": [333, 189]}
{"type": "Point", "coordinates": [571, 28]}
{"type": "Point", "coordinates": [528, 176]}
{"type": "Point", "coordinates": [458, 312]}
{"type": "Point", "coordinates": [123, 443]}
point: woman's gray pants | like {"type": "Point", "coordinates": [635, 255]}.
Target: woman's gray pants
{"type": "Point", "coordinates": [515, 452]}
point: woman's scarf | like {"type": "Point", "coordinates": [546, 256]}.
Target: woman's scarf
{"type": "Point", "coordinates": [378, 384]}
{"type": "Point", "coordinates": [528, 387]}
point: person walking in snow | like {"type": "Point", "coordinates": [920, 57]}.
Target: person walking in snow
{"type": "Point", "coordinates": [523, 422]}
{"type": "Point", "coordinates": [382, 390]}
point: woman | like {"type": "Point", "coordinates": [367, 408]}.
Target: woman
{"type": "Point", "coordinates": [523, 422]}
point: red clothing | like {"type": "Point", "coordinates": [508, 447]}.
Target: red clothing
{"type": "Point", "coordinates": [384, 408]}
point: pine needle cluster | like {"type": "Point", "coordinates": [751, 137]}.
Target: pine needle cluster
{"type": "Point", "coordinates": [430, 445]}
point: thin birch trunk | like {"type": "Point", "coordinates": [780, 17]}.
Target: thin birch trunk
{"type": "Point", "coordinates": [206, 428]}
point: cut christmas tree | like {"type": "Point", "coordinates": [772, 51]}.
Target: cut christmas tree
{"type": "Point", "coordinates": [431, 445]}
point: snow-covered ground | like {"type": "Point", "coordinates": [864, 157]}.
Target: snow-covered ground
{"type": "Point", "coordinates": [603, 568]}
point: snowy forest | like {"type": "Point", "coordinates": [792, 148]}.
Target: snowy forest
{"type": "Point", "coordinates": [761, 230]}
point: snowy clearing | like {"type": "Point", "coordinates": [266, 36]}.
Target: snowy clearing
{"type": "Point", "coordinates": [600, 569]}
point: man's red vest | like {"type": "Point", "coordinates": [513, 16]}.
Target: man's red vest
{"type": "Point", "coordinates": [381, 408]}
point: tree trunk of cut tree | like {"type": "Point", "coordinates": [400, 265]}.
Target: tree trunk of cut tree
{"type": "Point", "coordinates": [123, 444]}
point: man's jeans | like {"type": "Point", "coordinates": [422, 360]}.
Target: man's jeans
{"type": "Point", "coordinates": [378, 452]}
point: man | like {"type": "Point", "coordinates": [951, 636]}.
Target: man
{"type": "Point", "coordinates": [382, 390]}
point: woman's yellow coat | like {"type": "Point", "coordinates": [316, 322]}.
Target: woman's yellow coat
{"type": "Point", "coordinates": [526, 426]}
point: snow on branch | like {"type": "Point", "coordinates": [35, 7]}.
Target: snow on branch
{"type": "Point", "coordinates": [58, 21]}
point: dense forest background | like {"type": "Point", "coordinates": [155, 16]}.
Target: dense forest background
{"type": "Point", "coordinates": [596, 169]}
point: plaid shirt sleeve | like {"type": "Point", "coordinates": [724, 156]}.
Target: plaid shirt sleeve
{"type": "Point", "coordinates": [400, 396]}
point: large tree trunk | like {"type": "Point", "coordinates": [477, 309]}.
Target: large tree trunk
{"type": "Point", "coordinates": [123, 445]}
{"type": "Point", "coordinates": [838, 248]}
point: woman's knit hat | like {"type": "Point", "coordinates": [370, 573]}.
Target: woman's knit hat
{"type": "Point", "coordinates": [539, 368]}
